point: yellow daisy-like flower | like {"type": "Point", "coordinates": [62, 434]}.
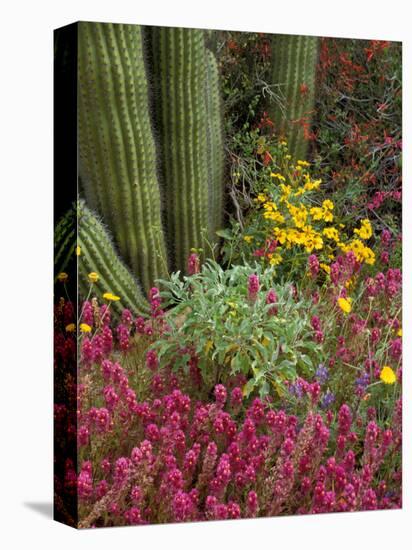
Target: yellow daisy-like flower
{"type": "Point", "coordinates": [62, 277]}
{"type": "Point", "coordinates": [78, 250]}
{"type": "Point", "coordinates": [248, 238]}
{"type": "Point", "coordinates": [275, 258]}
{"type": "Point", "coordinates": [345, 304]}
{"type": "Point", "coordinates": [303, 163]}
{"type": "Point", "coordinates": [331, 233]}
{"type": "Point", "coordinates": [325, 267]}
{"type": "Point", "coordinates": [311, 185]}
{"type": "Point", "coordinates": [84, 327]}
{"type": "Point", "coordinates": [93, 277]}
{"type": "Point", "coordinates": [365, 231]}
{"type": "Point", "coordinates": [71, 327]}
{"type": "Point", "coordinates": [387, 375]}
{"type": "Point", "coordinates": [111, 297]}
{"type": "Point", "coordinates": [261, 197]}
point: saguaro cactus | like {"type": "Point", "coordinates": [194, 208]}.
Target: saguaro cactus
{"type": "Point", "coordinates": [117, 156]}
{"type": "Point", "coordinates": [185, 86]}
{"type": "Point", "coordinates": [293, 69]}
{"type": "Point", "coordinates": [98, 254]}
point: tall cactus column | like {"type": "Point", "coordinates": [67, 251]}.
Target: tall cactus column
{"type": "Point", "coordinates": [215, 145]}
{"type": "Point", "coordinates": [180, 79]}
{"type": "Point", "coordinates": [294, 69]}
{"type": "Point", "coordinates": [117, 155]}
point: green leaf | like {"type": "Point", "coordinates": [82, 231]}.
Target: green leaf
{"type": "Point", "coordinates": [224, 233]}
{"type": "Point", "coordinates": [248, 387]}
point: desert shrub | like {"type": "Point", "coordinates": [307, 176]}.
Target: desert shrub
{"type": "Point", "coordinates": [236, 321]}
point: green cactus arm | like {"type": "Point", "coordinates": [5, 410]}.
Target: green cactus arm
{"type": "Point", "coordinates": [293, 69]}
{"type": "Point", "coordinates": [98, 254]}
{"type": "Point", "coordinates": [117, 157]}
{"type": "Point", "coordinates": [215, 145]}
{"type": "Point", "coordinates": [180, 81]}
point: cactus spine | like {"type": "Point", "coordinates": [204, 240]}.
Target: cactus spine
{"type": "Point", "coordinates": [180, 79]}
{"type": "Point", "coordinates": [97, 253]}
{"type": "Point", "coordinates": [294, 69]}
{"type": "Point", "coordinates": [117, 157]}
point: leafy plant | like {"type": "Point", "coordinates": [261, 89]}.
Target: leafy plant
{"type": "Point", "coordinates": [264, 337]}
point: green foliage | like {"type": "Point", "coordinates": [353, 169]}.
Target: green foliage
{"type": "Point", "coordinates": [98, 254]}
{"type": "Point", "coordinates": [293, 68]}
{"type": "Point", "coordinates": [231, 335]}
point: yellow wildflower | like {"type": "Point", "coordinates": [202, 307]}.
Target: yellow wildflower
{"type": "Point", "coordinates": [274, 216]}
{"type": "Point", "coordinates": [387, 375]}
{"type": "Point", "coordinates": [328, 204]}
{"type": "Point", "coordinates": [71, 327]}
{"type": "Point", "coordinates": [331, 233]}
{"type": "Point", "coordinates": [311, 239]}
{"type": "Point", "coordinates": [303, 163]}
{"type": "Point", "coordinates": [275, 258]}
{"type": "Point", "coordinates": [345, 304]}
{"type": "Point", "coordinates": [325, 267]}
{"type": "Point", "coordinates": [261, 197]}
{"type": "Point", "coordinates": [248, 238]}
{"type": "Point", "coordinates": [362, 252]}
{"type": "Point", "coordinates": [278, 176]}
{"type": "Point", "coordinates": [365, 231]}
{"type": "Point", "coordinates": [62, 277]}
{"type": "Point", "coordinates": [311, 185]}
{"type": "Point", "coordinates": [299, 215]}
{"type": "Point", "coordinates": [280, 235]}
{"type": "Point", "coordinates": [78, 250]}
{"type": "Point", "coordinates": [93, 277]}
{"type": "Point", "coordinates": [85, 327]}
{"type": "Point", "coordinates": [111, 297]}
{"type": "Point", "coordinates": [286, 190]}
{"type": "Point", "coordinates": [324, 212]}
{"type": "Point", "coordinates": [327, 216]}
{"type": "Point", "coordinates": [399, 333]}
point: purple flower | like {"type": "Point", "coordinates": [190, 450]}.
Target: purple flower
{"type": "Point", "coordinates": [322, 373]}
{"type": "Point", "coordinates": [327, 399]}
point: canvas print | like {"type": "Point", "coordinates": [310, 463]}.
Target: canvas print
{"type": "Point", "coordinates": [228, 284]}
